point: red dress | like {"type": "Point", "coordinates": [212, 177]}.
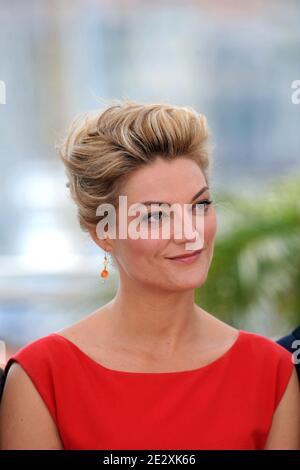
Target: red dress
{"type": "Point", "coordinates": [227, 404]}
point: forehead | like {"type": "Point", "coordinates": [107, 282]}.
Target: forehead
{"type": "Point", "coordinates": [164, 180]}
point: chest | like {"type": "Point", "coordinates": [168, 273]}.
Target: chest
{"type": "Point", "coordinates": [129, 360]}
{"type": "Point", "coordinates": [196, 411]}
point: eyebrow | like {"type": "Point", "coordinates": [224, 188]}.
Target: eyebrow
{"type": "Point", "coordinates": [148, 203]}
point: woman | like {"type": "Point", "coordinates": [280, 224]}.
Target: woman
{"type": "Point", "coordinates": [150, 369]}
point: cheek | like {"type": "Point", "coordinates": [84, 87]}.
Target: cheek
{"type": "Point", "coordinates": [210, 226]}
{"type": "Point", "coordinates": [135, 252]}
{"type": "Point", "coordinates": [139, 252]}
{"type": "Point", "coordinates": [137, 258]}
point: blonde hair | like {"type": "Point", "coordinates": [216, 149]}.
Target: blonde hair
{"type": "Point", "coordinates": [101, 150]}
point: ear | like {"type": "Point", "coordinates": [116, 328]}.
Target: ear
{"type": "Point", "coordinates": [105, 244]}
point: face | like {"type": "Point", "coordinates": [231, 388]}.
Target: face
{"type": "Point", "coordinates": [147, 260]}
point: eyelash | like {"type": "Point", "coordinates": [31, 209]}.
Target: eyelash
{"type": "Point", "coordinates": [207, 202]}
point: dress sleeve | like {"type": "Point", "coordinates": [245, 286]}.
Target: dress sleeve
{"type": "Point", "coordinates": [37, 361]}
{"type": "Point", "coordinates": [285, 367]}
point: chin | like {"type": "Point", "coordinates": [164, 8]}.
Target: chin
{"type": "Point", "coordinates": [189, 282]}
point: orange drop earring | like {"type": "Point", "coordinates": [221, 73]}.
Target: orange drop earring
{"type": "Point", "coordinates": [104, 272]}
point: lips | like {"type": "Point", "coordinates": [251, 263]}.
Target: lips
{"type": "Point", "coordinates": [186, 256]}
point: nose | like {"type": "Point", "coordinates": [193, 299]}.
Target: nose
{"type": "Point", "coordinates": [189, 229]}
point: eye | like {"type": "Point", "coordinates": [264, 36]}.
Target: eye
{"type": "Point", "coordinates": [205, 203]}
{"type": "Point", "coordinates": [153, 217]}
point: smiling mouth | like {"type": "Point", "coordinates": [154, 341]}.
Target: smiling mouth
{"type": "Point", "coordinates": [187, 256]}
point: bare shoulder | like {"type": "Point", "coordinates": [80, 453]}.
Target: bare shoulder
{"type": "Point", "coordinates": [285, 429]}
{"type": "Point", "coordinates": [84, 330]}
{"type": "Point", "coordinates": [25, 421]}
{"type": "Point", "coordinates": [216, 330]}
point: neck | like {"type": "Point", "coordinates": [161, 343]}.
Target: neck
{"type": "Point", "coordinates": [155, 320]}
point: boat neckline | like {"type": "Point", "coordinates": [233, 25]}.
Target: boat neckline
{"type": "Point", "coordinates": [208, 366]}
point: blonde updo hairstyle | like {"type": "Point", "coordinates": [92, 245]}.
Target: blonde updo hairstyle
{"type": "Point", "coordinates": [101, 149]}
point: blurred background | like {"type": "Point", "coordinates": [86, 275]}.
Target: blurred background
{"type": "Point", "coordinates": [233, 61]}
